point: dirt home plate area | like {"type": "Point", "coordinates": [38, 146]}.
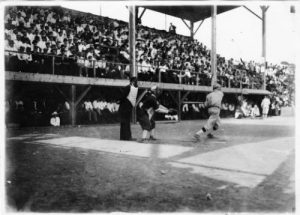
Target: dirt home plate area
{"type": "Point", "coordinates": [247, 167]}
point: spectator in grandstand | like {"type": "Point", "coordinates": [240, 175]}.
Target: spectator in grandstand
{"type": "Point", "coordinates": [127, 103]}
{"type": "Point", "coordinates": [172, 28]}
{"type": "Point", "coordinates": [265, 105]}
{"type": "Point", "coordinates": [101, 68]}
{"type": "Point", "coordinates": [90, 66]}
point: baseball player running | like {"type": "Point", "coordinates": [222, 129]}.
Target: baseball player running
{"type": "Point", "coordinates": [213, 103]}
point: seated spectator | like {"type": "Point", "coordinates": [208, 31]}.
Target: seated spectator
{"type": "Point", "coordinates": [55, 120]}
{"type": "Point", "coordinates": [255, 112]}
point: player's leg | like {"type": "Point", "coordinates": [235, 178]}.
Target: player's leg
{"type": "Point", "coordinates": [152, 131]}
{"type": "Point", "coordinates": [215, 127]}
{"type": "Point", "coordinates": [206, 128]}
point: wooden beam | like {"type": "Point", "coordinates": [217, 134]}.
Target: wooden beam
{"type": "Point", "coordinates": [184, 96]}
{"type": "Point", "coordinates": [60, 79]}
{"type": "Point", "coordinates": [251, 11]}
{"type": "Point", "coordinates": [142, 13]}
{"type": "Point", "coordinates": [82, 95]}
{"type": "Point", "coordinates": [63, 94]}
{"type": "Point", "coordinates": [186, 24]}
{"type": "Point", "coordinates": [199, 26]}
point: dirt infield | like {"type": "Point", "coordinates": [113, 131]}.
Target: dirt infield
{"type": "Point", "coordinates": [248, 168]}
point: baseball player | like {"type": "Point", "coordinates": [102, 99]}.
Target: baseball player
{"type": "Point", "coordinates": [213, 103]}
{"type": "Point", "coordinates": [145, 113]}
{"type": "Point", "coordinates": [265, 105]}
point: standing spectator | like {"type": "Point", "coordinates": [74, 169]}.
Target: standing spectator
{"type": "Point", "coordinates": [265, 105]}
{"type": "Point", "coordinates": [172, 28]}
{"type": "Point", "coordinates": [89, 110]}
{"type": "Point", "coordinates": [127, 102]}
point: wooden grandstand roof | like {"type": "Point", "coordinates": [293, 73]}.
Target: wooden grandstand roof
{"type": "Point", "coordinates": [192, 13]}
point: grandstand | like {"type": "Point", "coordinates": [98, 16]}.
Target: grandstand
{"type": "Point", "coordinates": [57, 59]}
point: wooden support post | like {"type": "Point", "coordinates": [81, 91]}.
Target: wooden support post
{"type": "Point", "coordinates": [179, 106]}
{"type": "Point", "coordinates": [192, 30]}
{"type": "Point", "coordinates": [213, 55]}
{"type": "Point", "coordinates": [132, 32]}
{"type": "Point", "coordinates": [264, 10]}
{"type": "Point", "coordinates": [73, 105]}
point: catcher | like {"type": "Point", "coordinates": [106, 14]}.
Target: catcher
{"type": "Point", "coordinates": [145, 113]}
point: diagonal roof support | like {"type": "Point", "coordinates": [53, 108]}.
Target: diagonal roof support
{"type": "Point", "coordinates": [251, 11]}
{"type": "Point", "coordinates": [140, 17]}
{"type": "Point", "coordinates": [186, 24]}
{"type": "Point", "coordinates": [199, 26]}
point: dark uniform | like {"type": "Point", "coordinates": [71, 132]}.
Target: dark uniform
{"type": "Point", "coordinates": [128, 99]}
{"type": "Point", "coordinates": [145, 113]}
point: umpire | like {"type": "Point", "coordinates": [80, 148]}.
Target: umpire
{"type": "Point", "coordinates": [213, 103]}
{"type": "Point", "coordinates": [127, 102]}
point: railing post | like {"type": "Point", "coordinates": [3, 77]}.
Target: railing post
{"type": "Point", "coordinates": [94, 69]}
{"type": "Point", "coordinates": [53, 64]}
{"type": "Point", "coordinates": [159, 76]}
{"type": "Point", "coordinates": [197, 79]}
{"type": "Point", "coordinates": [180, 77]}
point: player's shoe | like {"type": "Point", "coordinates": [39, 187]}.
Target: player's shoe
{"type": "Point", "coordinates": [143, 140]}
{"type": "Point", "coordinates": [152, 138]}
{"type": "Point", "coordinates": [210, 136]}
{"type": "Point", "coordinates": [197, 138]}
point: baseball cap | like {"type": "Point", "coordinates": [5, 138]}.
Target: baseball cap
{"type": "Point", "coordinates": [216, 86]}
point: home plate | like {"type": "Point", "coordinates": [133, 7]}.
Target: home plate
{"type": "Point", "coordinates": [119, 147]}
{"type": "Point", "coordinates": [245, 164]}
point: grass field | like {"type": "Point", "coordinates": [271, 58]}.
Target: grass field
{"type": "Point", "coordinates": [249, 167]}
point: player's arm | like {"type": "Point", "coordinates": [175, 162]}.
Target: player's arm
{"type": "Point", "coordinates": [162, 109]}
{"type": "Point", "coordinates": [206, 103]}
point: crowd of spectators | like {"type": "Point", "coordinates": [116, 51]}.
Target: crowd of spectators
{"type": "Point", "coordinates": [94, 46]}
